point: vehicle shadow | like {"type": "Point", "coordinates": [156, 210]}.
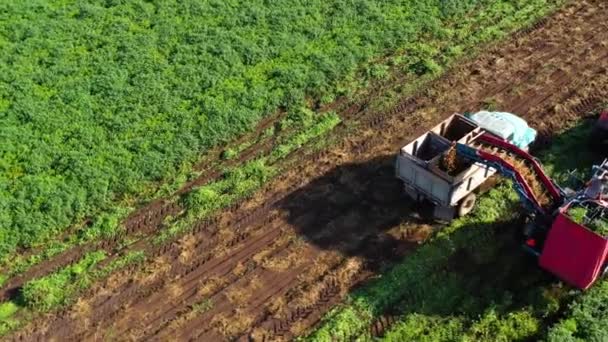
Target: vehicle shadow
{"type": "Point", "coordinates": [359, 209]}
{"type": "Point", "coordinates": [477, 275]}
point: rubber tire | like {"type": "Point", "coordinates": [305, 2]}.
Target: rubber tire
{"type": "Point", "coordinates": [467, 204]}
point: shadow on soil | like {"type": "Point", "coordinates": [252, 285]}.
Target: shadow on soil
{"type": "Point", "coordinates": [352, 206]}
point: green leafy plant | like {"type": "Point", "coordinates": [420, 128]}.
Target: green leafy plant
{"type": "Point", "coordinates": [7, 320]}
{"type": "Point", "coordinates": [229, 153]}
{"type": "Point", "coordinates": [202, 306]}
{"type": "Point", "coordinates": [599, 226]}
{"type": "Point", "coordinates": [56, 289]}
{"type": "Point", "coordinates": [578, 214]}
{"type": "Point", "coordinates": [585, 318]}
{"type": "Point", "coordinates": [7, 309]}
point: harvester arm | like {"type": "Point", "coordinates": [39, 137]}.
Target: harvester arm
{"type": "Point", "coordinates": [493, 158]}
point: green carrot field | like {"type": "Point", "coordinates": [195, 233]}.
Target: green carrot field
{"type": "Point", "coordinates": [101, 101]}
{"type": "Point", "coordinates": [110, 107]}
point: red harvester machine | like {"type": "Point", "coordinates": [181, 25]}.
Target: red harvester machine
{"type": "Point", "coordinates": [568, 249]}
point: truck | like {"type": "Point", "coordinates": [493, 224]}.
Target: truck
{"type": "Point", "coordinates": [453, 192]}
{"type": "Point", "coordinates": [565, 242]}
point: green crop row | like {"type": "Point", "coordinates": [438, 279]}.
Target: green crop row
{"type": "Point", "coordinates": [101, 102]}
{"type": "Point", "coordinates": [54, 290]}
{"type": "Point", "coordinates": [105, 225]}
{"type": "Point", "coordinates": [472, 282]}
{"type": "Point", "coordinates": [60, 288]}
{"type": "Point", "coordinates": [585, 318]}
{"type": "Point", "coordinates": [491, 326]}
{"type": "Point", "coordinates": [244, 180]}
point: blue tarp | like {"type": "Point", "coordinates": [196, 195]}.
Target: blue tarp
{"type": "Point", "coordinates": [507, 126]}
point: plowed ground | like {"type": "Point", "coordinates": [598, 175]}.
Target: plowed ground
{"type": "Point", "coordinates": [270, 268]}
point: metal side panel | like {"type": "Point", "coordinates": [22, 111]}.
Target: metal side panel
{"type": "Point", "coordinates": [423, 181]}
{"type": "Point", "coordinates": [573, 253]}
{"type": "Point", "coordinates": [480, 173]}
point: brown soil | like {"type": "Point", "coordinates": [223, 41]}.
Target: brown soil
{"type": "Point", "coordinates": [337, 216]}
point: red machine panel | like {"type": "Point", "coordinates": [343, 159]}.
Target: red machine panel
{"type": "Point", "coordinates": [574, 253]}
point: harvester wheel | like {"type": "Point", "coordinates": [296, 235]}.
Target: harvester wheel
{"type": "Point", "coordinates": [467, 204]}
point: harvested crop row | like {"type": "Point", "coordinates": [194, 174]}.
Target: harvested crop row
{"type": "Point", "coordinates": [524, 169]}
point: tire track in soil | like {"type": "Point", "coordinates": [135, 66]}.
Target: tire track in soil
{"type": "Point", "coordinates": [329, 289]}
{"type": "Point", "coordinates": [133, 288]}
{"type": "Point", "coordinates": [544, 48]}
{"type": "Point", "coordinates": [358, 148]}
{"type": "Point", "coordinates": [352, 245]}
{"type": "Point", "coordinates": [188, 294]}
{"type": "Point", "coordinates": [129, 294]}
{"type": "Point", "coordinates": [325, 215]}
{"type": "Point", "coordinates": [190, 282]}
{"type": "Point", "coordinates": [112, 304]}
{"type": "Point", "coordinates": [277, 285]}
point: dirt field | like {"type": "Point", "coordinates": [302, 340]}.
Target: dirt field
{"type": "Point", "coordinates": [269, 268]}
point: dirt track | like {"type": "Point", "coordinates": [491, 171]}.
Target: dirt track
{"type": "Point", "coordinates": [271, 267]}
